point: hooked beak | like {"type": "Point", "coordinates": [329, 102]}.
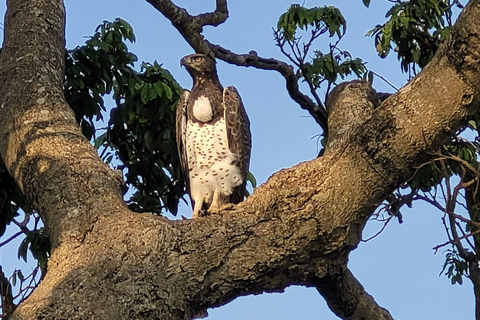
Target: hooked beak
{"type": "Point", "coordinates": [183, 62]}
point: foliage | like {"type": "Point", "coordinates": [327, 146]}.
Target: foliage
{"type": "Point", "coordinates": [38, 242]}
{"type": "Point", "coordinates": [455, 267]}
{"type": "Point", "coordinates": [328, 67]}
{"type": "Point", "coordinates": [11, 199]}
{"type": "Point", "coordinates": [141, 130]}
{"type": "Point", "coordinates": [320, 19]}
{"type": "Point", "coordinates": [324, 66]}
{"type": "Point", "coordinates": [140, 135]}
{"type": "Point", "coordinates": [454, 153]}
{"type": "Point", "coordinates": [414, 30]}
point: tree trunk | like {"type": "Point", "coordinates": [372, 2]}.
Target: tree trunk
{"type": "Point", "coordinates": [297, 228]}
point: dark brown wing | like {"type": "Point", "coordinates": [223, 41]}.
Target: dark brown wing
{"type": "Point", "coordinates": [181, 133]}
{"type": "Point", "coordinates": [238, 134]}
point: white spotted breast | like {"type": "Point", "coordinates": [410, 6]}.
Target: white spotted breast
{"type": "Point", "coordinates": [211, 162]}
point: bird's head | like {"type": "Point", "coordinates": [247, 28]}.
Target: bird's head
{"type": "Point", "coordinates": [199, 65]}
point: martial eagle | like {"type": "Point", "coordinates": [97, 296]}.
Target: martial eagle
{"type": "Point", "coordinates": [213, 138]}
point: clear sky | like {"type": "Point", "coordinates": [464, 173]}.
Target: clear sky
{"type": "Point", "coordinates": [399, 267]}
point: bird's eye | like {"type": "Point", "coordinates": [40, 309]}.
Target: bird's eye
{"type": "Point", "coordinates": [198, 59]}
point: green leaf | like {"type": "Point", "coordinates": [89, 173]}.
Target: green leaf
{"type": "Point", "coordinates": [145, 94]}
{"type": "Point", "coordinates": [22, 249]}
{"type": "Point", "coordinates": [251, 179]}
{"type": "Point", "coordinates": [366, 3]}
{"type": "Point", "coordinates": [148, 141]}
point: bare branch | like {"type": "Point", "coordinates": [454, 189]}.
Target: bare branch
{"type": "Point", "coordinates": [455, 241]}
{"type": "Point", "coordinates": [190, 27]}
{"type": "Point", "coordinates": [379, 231]}
{"type": "Point", "coordinates": [214, 18]}
{"type": "Point", "coordinates": [318, 112]}
{"type": "Point", "coordinates": [11, 238]}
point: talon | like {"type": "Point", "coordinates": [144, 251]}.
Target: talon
{"type": "Point", "coordinates": [213, 209]}
{"type": "Point", "coordinates": [227, 206]}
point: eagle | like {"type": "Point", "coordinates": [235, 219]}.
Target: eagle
{"type": "Point", "coordinates": [213, 138]}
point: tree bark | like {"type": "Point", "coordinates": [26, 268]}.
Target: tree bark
{"type": "Point", "coordinates": [297, 228]}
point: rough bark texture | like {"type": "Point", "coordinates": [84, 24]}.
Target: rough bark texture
{"type": "Point", "coordinates": [297, 228]}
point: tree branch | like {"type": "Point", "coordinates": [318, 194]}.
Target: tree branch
{"type": "Point", "coordinates": [348, 299]}
{"type": "Point", "coordinates": [297, 228]}
{"type": "Point", "coordinates": [190, 27]}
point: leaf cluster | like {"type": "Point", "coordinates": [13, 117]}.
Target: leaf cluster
{"type": "Point", "coordinates": [451, 161]}
{"type": "Point", "coordinates": [298, 28]}
{"type": "Point", "coordinates": [141, 132]}
{"type": "Point", "coordinates": [38, 242]}
{"type": "Point", "coordinates": [414, 30]}
{"type": "Point", "coordinates": [12, 199]}
{"type": "Point", "coordinates": [92, 70]}
{"type": "Point", "coordinates": [320, 19]}
{"type": "Point", "coordinates": [328, 67]}
{"type": "Point", "coordinates": [139, 137]}
{"type": "Point", "coordinates": [455, 268]}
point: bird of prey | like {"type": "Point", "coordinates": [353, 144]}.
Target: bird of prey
{"type": "Point", "coordinates": [213, 138]}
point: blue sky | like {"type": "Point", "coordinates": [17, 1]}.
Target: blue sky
{"type": "Point", "coordinates": [399, 267]}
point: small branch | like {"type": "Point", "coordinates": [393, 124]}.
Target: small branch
{"type": "Point", "coordinates": [11, 238]}
{"type": "Point", "coordinates": [384, 79]}
{"type": "Point", "coordinates": [435, 203]}
{"type": "Point", "coordinates": [451, 201]}
{"type": "Point", "coordinates": [454, 241]}
{"type": "Point", "coordinates": [318, 112]}
{"type": "Point", "coordinates": [380, 231]}
{"type": "Point", "coordinates": [25, 292]}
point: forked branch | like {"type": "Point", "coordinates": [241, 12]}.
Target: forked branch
{"type": "Point", "coordinates": [191, 27]}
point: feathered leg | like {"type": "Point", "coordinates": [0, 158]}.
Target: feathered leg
{"type": "Point", "coordinates": [215, 202]}
{"type": "Point", "coordinates": [197, 208]}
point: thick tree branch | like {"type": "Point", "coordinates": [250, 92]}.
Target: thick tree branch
{"type": "Point", "coordinates": [348, 299]}
{"type": "Point", "coordinates": [190, 27]}
{"type": "Point", "coordinates": [40, 141]}
{"type": "Point", "coordinates": [297, 228]}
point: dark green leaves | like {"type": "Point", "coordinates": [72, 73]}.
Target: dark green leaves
{"type": "Point", "coordinates": [454, 156]}
{"type": "Point", "coordinates": [414, 30]}
{"type": "Point", "coordinates": [328, 67]}
{"type": "Point", "coordinates": [141, 135]}
{"type": "Point", "coordinates": [11, 199]}
{"type": "Point", "coordinates": [93, 69]}
{"type": "Point", "coordinates": [39, 244]}
{"type": "Point", "coordinates": [455, 267]}
{"type": "Point", "coordinates": [322, 19]}
{"type": "Point", "coordinates": [298, 28]}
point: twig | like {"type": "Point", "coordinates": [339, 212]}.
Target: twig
{"type": "Point", "coordinates": [453, 241]}
{"type": "Point", "coordinates": [11, 238]}
{"type": "Point", "coordinates": [380, 231]}
{"type": "Point", "coordinates": [384, 79]}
